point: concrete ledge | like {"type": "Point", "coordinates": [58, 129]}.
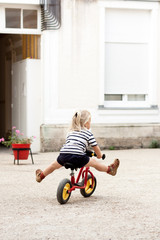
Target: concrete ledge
{"type": "Point", "coordinates": [119, 136]}
{"type": "Point", "coordinates": [53, 137]}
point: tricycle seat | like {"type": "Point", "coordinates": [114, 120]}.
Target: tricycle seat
{"type": "Point", "coordinates": [70, 165]}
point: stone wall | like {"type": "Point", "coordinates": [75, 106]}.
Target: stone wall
{"type": "Point", "coordinates": [116, 136]}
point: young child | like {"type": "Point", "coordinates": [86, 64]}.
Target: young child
{"type": "Point", "coordinates": [74, 150]}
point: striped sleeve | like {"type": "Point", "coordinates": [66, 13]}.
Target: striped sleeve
{"type": "Point", "coordinates": [92, 141]}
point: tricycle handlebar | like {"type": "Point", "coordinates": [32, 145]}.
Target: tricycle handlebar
{"type": "Point", "coordinates": [91, 154]}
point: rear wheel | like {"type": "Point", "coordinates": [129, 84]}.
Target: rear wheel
{"type": "Point", "coordinates": [88, 190]}
{"type": "Point", "coordinates": [62, 192]}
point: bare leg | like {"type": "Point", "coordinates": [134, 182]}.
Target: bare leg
{"type": "Point", "coordinates": [55, 165]}
{"type": "Point", "coordinates": [40, 175]}
{"type": "Point", "coordinates": [111, 169]}
{"type": "Point", "coordinates": [97, 165]}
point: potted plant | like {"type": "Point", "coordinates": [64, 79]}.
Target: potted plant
{"type": "Point", "coordinates": [17, 140]}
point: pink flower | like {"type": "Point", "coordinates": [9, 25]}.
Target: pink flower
{"type": "Point", "coordinates": [2, 140]}
{"type": "Point", "coordinates": [18, 132]}
{"type": "Point", "coordinates": [34, 136]}
{"type": "Point", "coordinates": [13, 127]}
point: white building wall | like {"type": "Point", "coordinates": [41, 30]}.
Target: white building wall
{"type": "Point", "coordinates": [73, 71]}
{"type": "Point", "coordinates": [73, 60]}
{"type": "Point", "coordinates": [70, 62]}
{"type": "Point", "coordinates": [78, 51]}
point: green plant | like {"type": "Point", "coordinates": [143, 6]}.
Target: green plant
{"type": "Point", "coordinates": [154, 144]}
{"type": "Point", "coordinates": [16, 137]}
{"type": "Point", "coordinates": [111, 148]}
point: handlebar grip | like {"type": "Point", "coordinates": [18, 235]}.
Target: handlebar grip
{"type": "Point", "coordinates": [91, 154]}
{"type": "Point", "coordinates": [94, 154]}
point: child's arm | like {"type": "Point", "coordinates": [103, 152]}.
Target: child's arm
{"type": "Point", "coordinates": [97, 151]}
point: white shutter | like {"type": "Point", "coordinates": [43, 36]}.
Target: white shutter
{"type": "Point", "coordinates": [126, 68]}
{"type": "Point", "coordinates": [127, 51]}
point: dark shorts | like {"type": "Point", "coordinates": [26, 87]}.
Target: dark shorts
{"type": "Point", "coordinates": [77, 160]}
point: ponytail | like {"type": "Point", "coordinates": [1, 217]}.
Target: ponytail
{"type": "Point", "coordinates": [79, 119]}
{"type": "Point", "coordinates": [76, 126]}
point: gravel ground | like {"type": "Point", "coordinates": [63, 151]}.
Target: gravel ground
{"type": "Point", "coordinates": [126, 206]}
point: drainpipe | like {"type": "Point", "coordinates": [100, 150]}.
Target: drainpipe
{"type": "Point", "coordinates": [50, 14]}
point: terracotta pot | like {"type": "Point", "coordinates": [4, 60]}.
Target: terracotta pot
{"type": "Point", "coordinates": [23, 154]}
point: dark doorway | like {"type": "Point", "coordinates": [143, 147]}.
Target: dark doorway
{"type": "Point", "coordinates": [13, 48]}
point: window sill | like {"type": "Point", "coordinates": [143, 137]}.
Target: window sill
{"type": "Point", "coordinates": [153, 107]}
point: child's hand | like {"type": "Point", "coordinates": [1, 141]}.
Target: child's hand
{"type": "Point", "coordinates": [97, 151]}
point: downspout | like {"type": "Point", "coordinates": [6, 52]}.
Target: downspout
{"type": "Point", "coordinates": [50, 14]}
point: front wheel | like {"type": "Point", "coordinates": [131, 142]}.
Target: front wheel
{"type": "Point", "coordinates": [62, 191]}
{"type": "Point", "coordinates": [88, 190]}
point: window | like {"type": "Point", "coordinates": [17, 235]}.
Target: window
{"type": "Point", "coordinates": [112, 97]}
{"type": "Point", "coordinates": [126, 100]}
{"type": "Point", "coordinates": [29, 18]}
{"type": "Point", "coordinates": [13, 18]}
{"type": "Point", "coordinates": [127, 53]}
{"type": "Point", "coordinates": [137, 97]}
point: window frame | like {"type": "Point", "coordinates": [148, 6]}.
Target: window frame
{"type": "Point", "coordinates": [127, 103]}
{"type": "Point", "coordinates": [151, 95]}
{"type": "Point", "coordinates": [21, 30]}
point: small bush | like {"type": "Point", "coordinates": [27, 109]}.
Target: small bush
{"type": "Point", "coordinates": [111, 148]}
{"type": "Point", "coordinates": [154, 144]}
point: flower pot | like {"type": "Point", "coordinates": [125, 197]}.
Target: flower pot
{"type": "Point", "coordinates": [21, 154]}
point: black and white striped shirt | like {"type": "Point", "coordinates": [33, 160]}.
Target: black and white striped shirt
{"type": "Point", "coordinates": [78, 141]}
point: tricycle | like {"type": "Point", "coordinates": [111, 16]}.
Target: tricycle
{"type": "Point", "coordinates": [85, 181]}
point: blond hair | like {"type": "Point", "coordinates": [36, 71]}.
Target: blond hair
{"type": "Point", "coordinates": [79, 119]}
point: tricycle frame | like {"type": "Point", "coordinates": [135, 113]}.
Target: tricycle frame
{"type": "Point", "coordinates": [82, 173]}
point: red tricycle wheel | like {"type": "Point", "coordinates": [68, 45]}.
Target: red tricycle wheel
{"type": "Point", "coordinates": [88, 190]}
